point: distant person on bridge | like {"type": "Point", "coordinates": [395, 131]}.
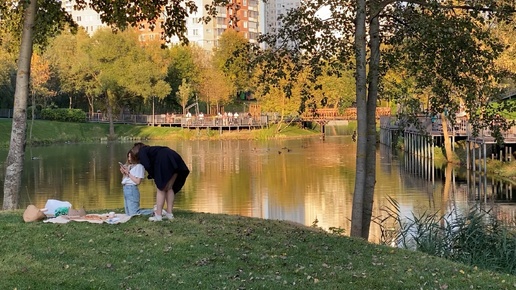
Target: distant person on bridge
{"type": "Point", "coordinates": [188, 118]}
{"type": "Point", "coordinates": [201, 118]}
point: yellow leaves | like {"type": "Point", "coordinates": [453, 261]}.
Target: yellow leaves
{"type": "Point", "coordinates": [40, 74]}
{"type": "Point", "coordinates": [39, 65]}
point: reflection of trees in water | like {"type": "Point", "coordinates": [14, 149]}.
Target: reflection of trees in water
{"type": "Point", "coordinates": [463, 189]}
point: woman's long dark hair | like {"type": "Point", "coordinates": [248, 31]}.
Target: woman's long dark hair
{"type": "Point", "coordinates": [136, 149]}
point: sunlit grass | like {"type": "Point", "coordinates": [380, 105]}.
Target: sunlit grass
{"type": "Point", "coordinates": [210, 251]}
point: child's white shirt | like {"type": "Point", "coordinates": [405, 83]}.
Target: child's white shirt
{"type": "Point", "coordinates": [136, 170]}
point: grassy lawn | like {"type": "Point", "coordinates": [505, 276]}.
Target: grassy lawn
{"type": "Point", "coordinates": [47, 132]}
{"type": "Point", "coordinates": [209, 251]}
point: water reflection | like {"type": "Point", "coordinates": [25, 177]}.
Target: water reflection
{"type": "Point", "coordinates": [300, 180]}
{"type": "Point", "coordinates": [461, 189]}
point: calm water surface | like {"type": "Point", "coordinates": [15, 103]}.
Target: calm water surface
{"type": "Point", "coordinates": [302, 180]}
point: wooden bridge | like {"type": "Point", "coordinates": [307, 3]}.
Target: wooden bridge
{"type": "Point", "coordinates": [421, 139]}
{"type": "Point", "coordinates": [202, 122]}
{"type": "Point", "coordinates": [335, 114]}
{"type": "Point", "coordinates": [461, 130]}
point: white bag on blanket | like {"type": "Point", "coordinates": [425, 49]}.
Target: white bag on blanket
{"type": "Point", "coordinates": [53, 204]}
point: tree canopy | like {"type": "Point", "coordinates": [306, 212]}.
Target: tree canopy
{"type": "Point", "coordinates": [37, 20]}
{"type": "Point", "coordinates": [446, 49]}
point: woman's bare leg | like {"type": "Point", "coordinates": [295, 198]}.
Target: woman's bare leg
{"type": "Point", "coordinates": [169, 196]}
{"type": "Point", "coordinates": [160, 201]}
{"type": "Point", "coordinates": [170, 200]}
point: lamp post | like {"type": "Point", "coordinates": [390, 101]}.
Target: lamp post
{"type": "Point", "coordinates": [153, 116]}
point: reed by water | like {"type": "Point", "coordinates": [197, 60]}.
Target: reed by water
{"type": "Point", "coordinates": [478, 238]}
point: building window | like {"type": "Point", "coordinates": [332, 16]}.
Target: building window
{"type": "Point", "coordinates": [79, 18]}
{"type": "Point", "coordinates": [195, 32]}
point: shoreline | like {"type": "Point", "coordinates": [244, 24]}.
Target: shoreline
{"type": "Point", "coordinates": [54, 132]}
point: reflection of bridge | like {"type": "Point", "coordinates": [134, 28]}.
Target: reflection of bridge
{"type": "Point", "coordinates": [495, 195]}
{"type": "Point", "coordinates": [420, 139]}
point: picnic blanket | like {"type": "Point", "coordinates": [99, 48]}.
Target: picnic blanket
{"type": "Point", "coordinates": [108, 218]}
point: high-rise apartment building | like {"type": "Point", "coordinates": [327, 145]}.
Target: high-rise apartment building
{"type": "Point", "coordinates": [87, 18]}
{"type": "Point", "coordinates": [273, 9]}
{"type": "Point", "coordinates": [241, 15]}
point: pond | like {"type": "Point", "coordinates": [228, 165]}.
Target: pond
{"type": "Point", "coordinates": [307, 181]}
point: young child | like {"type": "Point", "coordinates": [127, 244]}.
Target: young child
{"type": "Point", "coordinates": [133, 173]}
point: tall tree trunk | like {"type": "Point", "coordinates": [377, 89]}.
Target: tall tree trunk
{"type": "Point", "coordinates": [446, 136]}
{"type": "Point", "coordinates": [33, 110]}
{"type": "Point", "coordinates": [14, 162]}
{"type": "Point", "coordinates": [372, 97]}
{"type": "Point", "coordinates": [111, 125]}
{"type": "Point", "coordinates": [90, 102]}
{"type": "Point", "coordinates": [446, 190]}
{"type": "Point", "coordinates": [360, 55]}
{"type": "Point", "coordinates": [109, 109]}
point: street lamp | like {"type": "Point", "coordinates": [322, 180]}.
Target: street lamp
{"type": "Point", "coordinates": [153, 116]}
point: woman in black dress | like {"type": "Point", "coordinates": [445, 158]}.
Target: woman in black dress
{"type": "Point", "coordinates": [169, 172]}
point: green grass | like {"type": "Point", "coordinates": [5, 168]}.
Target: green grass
{"type": "Point", "coordinates": [47, 132]}
{"type": "Point", "coordinates": [210, 251]}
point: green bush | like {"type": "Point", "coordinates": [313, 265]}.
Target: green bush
{"type": "Point", "coordinates": [64, 115]}
{"type": "Point", "coordinates": [37, 112]}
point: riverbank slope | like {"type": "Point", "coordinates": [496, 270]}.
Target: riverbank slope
{"type": "Point", "coordinates": [216, 251]}
{"type": "Point", "coordinates": [48, 132]}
